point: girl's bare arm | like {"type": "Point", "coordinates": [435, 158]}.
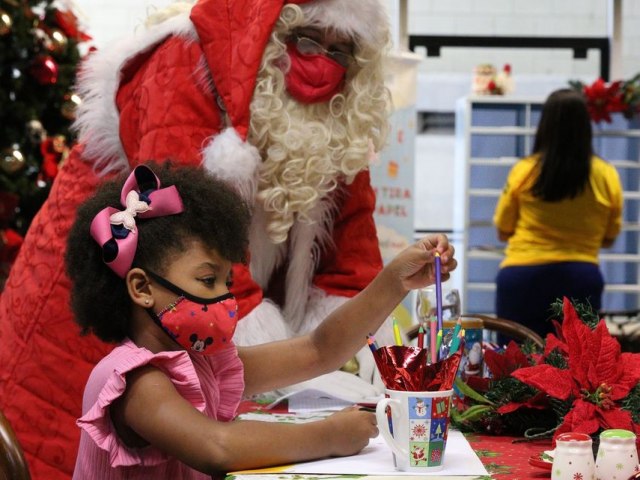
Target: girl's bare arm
{"type": "Point", "coordinates": [153, 409]}
{"type": "Point", "coordinates": [344, 331]}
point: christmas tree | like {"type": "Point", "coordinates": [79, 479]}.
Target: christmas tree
{"type": "Point", "coordinates": [39, 57]}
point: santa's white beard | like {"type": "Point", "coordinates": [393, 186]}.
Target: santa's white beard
{"type": "Point", "coordinates": [305, 150]}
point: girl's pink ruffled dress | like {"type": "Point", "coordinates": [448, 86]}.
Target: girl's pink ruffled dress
{"type": "Point", "coordinates": [211, 383]}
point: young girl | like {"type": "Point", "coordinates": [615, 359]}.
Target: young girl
{"type": "Point", "coordinates": [149, 264]}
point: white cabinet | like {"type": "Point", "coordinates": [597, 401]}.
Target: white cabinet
{"type": "Point", "coordinates": [492, 133]}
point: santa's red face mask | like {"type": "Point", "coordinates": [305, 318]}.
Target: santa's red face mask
{"type": "Point", "coordinates": [313, 78]}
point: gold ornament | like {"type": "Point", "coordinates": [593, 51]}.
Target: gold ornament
{"type": "Point", "coordinates": [12, 159]}
{"type": "Point", "coordinates": [70, 105]}
{"type": "Point", "coordinates": [5, 23]}
{"type": "Point", "coordinates": [57, 41]}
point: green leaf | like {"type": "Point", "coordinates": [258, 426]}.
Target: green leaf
{"type": "Point", "coordinates": [473, 413]}
{"type": "Point", "coordinates": [467, 391]}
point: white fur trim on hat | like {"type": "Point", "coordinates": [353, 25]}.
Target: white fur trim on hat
{"type": "Point", "coordinates": [234, 161]}
{"type": "Point", "coordinates": [364, 20]}
{"type": "Point", "coordinates": [99, 79]}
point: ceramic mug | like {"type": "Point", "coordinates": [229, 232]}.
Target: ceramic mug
{"type": "Point", "coordinates": [573, 457]}
{"type": "Point", "coordinates": [415, 425]}
{"type": "Point", "coordinates": [617, 457]}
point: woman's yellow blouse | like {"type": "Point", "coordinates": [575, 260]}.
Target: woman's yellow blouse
{"type": "Point", "coordinates": [571, 230]}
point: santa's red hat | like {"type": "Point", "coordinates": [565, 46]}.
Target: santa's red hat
{"type": "Point", "coordinates": [234, 35]}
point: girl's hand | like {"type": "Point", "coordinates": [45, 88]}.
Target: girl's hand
{"type": "Point", "coordinates": [351, 430]}
{"type": "Point", "coordinates": [415, 265]}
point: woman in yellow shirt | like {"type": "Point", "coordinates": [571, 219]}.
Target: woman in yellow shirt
{"type": "Point", "coordinates": [558, 208]}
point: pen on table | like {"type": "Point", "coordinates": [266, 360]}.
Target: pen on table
{"type": "Point", "coordinates": [432, 337]}
{"type": "Point", "coordinates": [366, 407]}
{"type": "Point", "coordinates": [439, 289]}
{"type": "Point", "coordinates": [421, 337]}
{"type": "Point", "coordinates": [396, 332]}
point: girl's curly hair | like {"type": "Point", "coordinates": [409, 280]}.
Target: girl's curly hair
{"type": "Point", "coordinates": [213, 214]}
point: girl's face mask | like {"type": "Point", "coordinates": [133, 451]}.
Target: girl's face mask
{"type": "Point", "coordinates": [201, 325]}
{"type": "Point", "coordinates": [313, 78]}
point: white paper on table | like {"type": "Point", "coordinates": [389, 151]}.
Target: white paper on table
{"type": "Point", "coordinates": [312, 400]}
{"type": "Point", "coordinates": [377, 459]}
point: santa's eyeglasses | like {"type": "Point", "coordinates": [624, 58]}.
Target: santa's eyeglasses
{"type": "Point", "coordinates": [307, 46]}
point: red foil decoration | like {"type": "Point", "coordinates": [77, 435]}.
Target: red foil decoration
{"type": "Point", "coordinates": [405, 368]}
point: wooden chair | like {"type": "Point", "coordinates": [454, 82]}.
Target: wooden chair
{"type": "Point", "coordinates": [12, 463]}
{"type": "Point", "coordinates": [508, 328]}
{"type": "Point", "coordinates": [625, 326]}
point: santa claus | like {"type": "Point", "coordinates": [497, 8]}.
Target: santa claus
{"type": "Point", "coordinates": [283, 99]}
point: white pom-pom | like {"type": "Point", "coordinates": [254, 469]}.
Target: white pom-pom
{"type": "Point", "coordinates": [234, 161]}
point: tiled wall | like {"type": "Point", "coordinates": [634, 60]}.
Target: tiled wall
{"type": "Point", "coordinates": [109, 19]}
{"type": "Point", "coordinates": [578, 18]}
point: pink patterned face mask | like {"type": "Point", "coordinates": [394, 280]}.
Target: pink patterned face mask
{"type": "Point", "coordinates": [201, 325]}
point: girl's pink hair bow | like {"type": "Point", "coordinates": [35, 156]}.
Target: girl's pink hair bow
{"type": "Point", "coordinates": [119, 243]}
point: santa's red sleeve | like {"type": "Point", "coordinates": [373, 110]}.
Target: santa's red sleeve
{"type": "Point", "coordinates": [355, 257]}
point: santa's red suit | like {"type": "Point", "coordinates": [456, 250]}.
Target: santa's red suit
{"type": "Point", "coordinates": [146, 100]}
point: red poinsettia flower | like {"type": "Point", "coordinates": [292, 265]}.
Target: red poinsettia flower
{"type": "Point", "coordinates": [603, 100]}
{"type": "Point", "coordinates": [598, 377]}
{"type": "Point", "coordinates": [502, 366]}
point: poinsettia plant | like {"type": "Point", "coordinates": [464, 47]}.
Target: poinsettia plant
{"type": "Point", "coordinates": [621, 96]}
{"type": "Point", "coordinates": [581, 382]}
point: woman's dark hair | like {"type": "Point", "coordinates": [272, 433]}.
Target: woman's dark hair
{"type": "Point", "coordinates": [563, 141]}
{"type": "Point", "coordinates": [213, 214]}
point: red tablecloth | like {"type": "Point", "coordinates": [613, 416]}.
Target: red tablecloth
{"type": "Point", "coordinates": [506, 460]}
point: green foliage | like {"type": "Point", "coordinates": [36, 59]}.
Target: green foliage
{"type": "Point", "coordinates": [632, 403]}
{"type": "Point", "coordinates": [509, 389]}
{"type": "Point", "coordinates": [557, 359]}
{"type": "Point", "coordinates": [584, 310]}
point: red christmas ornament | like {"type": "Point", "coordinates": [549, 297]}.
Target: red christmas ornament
{"type": "Point", "coordinates": [45, 70]}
